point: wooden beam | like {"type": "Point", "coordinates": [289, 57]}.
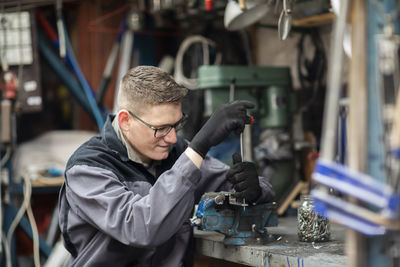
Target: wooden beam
{"type": "Point", "coordinates": [355, 242]}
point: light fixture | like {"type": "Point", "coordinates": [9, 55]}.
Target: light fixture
{"type": "Point", "coordinates": [241, 15]}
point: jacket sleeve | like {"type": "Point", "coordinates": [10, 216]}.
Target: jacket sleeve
{"type": "Point", "coordinates": [213, 179]}
{"type": "Point", "coordinates": [99, 198]}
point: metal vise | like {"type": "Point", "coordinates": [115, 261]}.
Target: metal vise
{"type": "Point", "coordinates": [239, 222]}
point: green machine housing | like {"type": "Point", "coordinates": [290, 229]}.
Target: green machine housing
{"type": "Point", "coordinates": [268, 87]}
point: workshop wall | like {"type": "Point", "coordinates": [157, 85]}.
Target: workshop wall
{"type": "Point", "coordinates": [93, 27]}
{"type": "Point", "coordinates": [93, 45]}
{"type": "Point", "coordinates": [271, 51]}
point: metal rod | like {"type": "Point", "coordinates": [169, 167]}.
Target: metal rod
{"type": "Point", "coordinates": [241, 145]}
{"type": "Point", "coordinates": [334, 84]}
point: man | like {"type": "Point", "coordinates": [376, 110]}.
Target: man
{"type": "Point", "coordinates": [129, 192]}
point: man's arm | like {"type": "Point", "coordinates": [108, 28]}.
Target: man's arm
{"type": "Point", "coordinates": [142, 219]}
{"type": "Point", "coordinates": [214, 179]}
{"type": "Point", "coordinates": [195, 157]}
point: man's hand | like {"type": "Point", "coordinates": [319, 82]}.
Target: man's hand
{"type": "Point", "coordinates": [244, 177]}
{"type": "Point", "coordinates": [227, 118]}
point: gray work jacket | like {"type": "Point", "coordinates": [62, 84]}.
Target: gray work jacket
{"type": "Point", "coordinates": [114, 212]}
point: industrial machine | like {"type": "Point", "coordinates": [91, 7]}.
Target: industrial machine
{"type": "Point", "coordinates": [240, 222]}
{"type": "Point", "coordinates": [269, 88]}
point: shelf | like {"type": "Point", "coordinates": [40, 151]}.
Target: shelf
{"type": "Point", "coordinates": [313, 21]}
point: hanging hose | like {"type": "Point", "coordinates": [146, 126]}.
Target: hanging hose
{"type": "Point", "coordinates": [87, 90]}
{"type": "Point", "coordinates": [72, 62]}
{"type": "Point", "coordinates": [63, 74]}
{"type": "Point", "coordinates": [179, 76]}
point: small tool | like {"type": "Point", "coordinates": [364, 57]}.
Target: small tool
{"type": "Point", "coordinates": [246, 134]}
{"type": "Point", "coordinates": [243, 152]}
{"type": "Point", "coordinates": [285, 20]}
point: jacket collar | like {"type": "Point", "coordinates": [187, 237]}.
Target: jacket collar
{"type": "Point", "coordinates": [109, 136]}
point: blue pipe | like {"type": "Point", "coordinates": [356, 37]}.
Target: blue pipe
{"type": "Point", "coordinates": [87, 90]}
{"type": "Point", "coordinates": [68, 59]}
{"type": "Point", "coordinates": [63, 73]}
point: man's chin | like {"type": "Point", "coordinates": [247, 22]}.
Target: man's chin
{"type": "Point", "coordinates": [161, 156]}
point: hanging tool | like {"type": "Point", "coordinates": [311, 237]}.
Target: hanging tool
{"type": "Point", "coordinates": [285, 20]}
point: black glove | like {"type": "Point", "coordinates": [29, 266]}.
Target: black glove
{"type": "Point", "coordinates": [244, 177]}
{"type": "Point", "coordinates": [227, 118]}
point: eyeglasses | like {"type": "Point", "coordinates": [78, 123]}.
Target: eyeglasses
{"type": "Point", "coordinates": [164, 130]}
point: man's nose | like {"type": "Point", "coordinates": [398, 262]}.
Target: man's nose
{"type": "Point", "coordinates": [171, 137]}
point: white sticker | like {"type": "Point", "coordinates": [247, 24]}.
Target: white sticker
{"type": "Point", "coordinates": [30, 86]}
{"type": "Point", "coordinates": [34, 100]}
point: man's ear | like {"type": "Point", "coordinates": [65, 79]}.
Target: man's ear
{"type": "Point", "coordinates": [124, 120]}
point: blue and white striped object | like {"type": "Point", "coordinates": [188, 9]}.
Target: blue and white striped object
{"type": "Point", "coordinates": [358, 185]}
{"type": "Point", "coordinates": [377, 211]}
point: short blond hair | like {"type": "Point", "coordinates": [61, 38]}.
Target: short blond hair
{"type": "Point", "coordinates": [148, 85]}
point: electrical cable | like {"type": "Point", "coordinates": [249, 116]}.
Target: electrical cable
{"type": "Point", "coordinates": [3, 238]}
{"type": "Point", "coordinates": [26, 207]}
{"type": "Point", "coordinates": [192, 83]}
{"type": "Point", "coordinates": [35, 237]}
{"type": "Point", "coordinates": [20, 213]}
{"type": "Point", "coordinates": [6, 249]}
{"type": "Point", "coordinates": [244, 36]}
{"type": "Point", "coordinates": [6, 157]}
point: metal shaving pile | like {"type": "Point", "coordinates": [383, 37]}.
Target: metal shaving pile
{"type": "Point", "coordinates": [312, 227]}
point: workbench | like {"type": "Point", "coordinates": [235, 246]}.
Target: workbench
{"type": "Point", "coordinates": [285, 251]}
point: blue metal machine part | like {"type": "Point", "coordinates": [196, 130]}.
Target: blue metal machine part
{"type": "Point", "coordinates": [239, 222]}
